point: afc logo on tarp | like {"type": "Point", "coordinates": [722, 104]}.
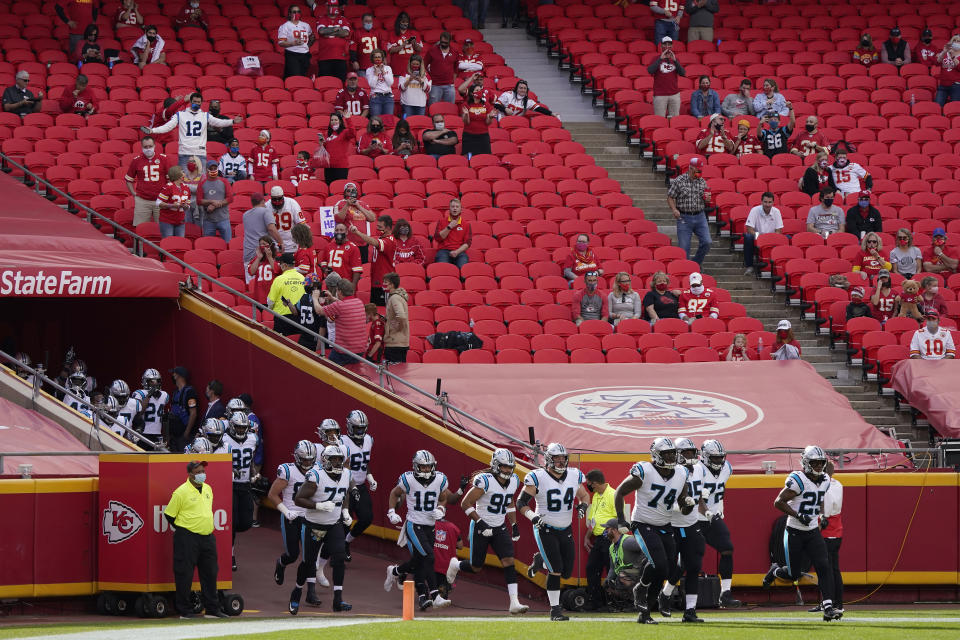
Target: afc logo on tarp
{"type": "Point", "coordinates": [120, 522]}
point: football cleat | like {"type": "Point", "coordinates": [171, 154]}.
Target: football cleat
{"type": "Point", "coordinates": [771, 575]}
{"type": "Point", "coordinates": [278, 572]}
{"type": "Point", "coordinates": [235, 563]}
{"type": "Point", "coordinates": [535, 565]}
{"type": "Point", "coordinates": [556, 614]}
{"type": "Point", "coordinates": [830, 614]}
{"type": "Point", "coordinates": [294, 607]}
{"type": "Point", "coordinates": [453, 569]}
{"type": "Point", "coordinates": [424, 602]}
{"type": "Point", "coordinates": [664, 601]}
{"type": "Point", "coordinates": [340, 605]}
{"type": "Point", "coordinates": [690, 615]}
{"type": "Point", "coordinates": [518, 609]}
{"type": "Point", "coordinates": [644, 618]}
{"type": "Point", "coordinates": [816, 609]}
{"type": "Point", "coordinates": [392, 578]}
{"type": "Point", "coordinates": [440, 602]}
{"type": "Point", "coordinates": [727, 601]}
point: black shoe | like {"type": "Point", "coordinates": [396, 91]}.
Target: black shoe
{"type": "Point", "coordinates": [340, 605]}
{"type": "Point", "coordinates": [347, 557]}
{"type": "Point", "coordinates": [830, 614]}
{"type": "Point", "coordinates": [535, 565]}
{"type": "Point", "coordinates": [190, 616]}
{"type": "Point", "coordinates": [312, 598]}
{"type": "Point", "coordinates": [278, 572]}
{"type": "Point", "coordinates": [556, 614]}
{"type": "Point", "coordinates": [690, 615]}
{"type": "Point", "coordinates": [424, 602]}
{"type": "Point", "coordinates": [663, 600]}
{"type": "Point", "coordinates": [234, 563]}
{"type": "Point", "coordinates": [816, 609]}
{"type": "Point", "coordinates": [294, 606]}
{"type": "Point", "coordinates": [771, 575]}
{"type": "Point", "coordinates": [644, 618]}
{"type": "Point", "coordinates": [727, 601]}
{"type": "Point", "coordinates": [216, 614]}
{"type": "Point", "coordinates": [255, 524]}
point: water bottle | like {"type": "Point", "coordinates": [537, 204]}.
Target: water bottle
{"type": "Point", "coordinates": [759, 345]}
{"type": "Point", "coordinates": [913, 99]}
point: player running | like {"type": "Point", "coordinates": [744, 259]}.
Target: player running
{"type": "Point", "coordinates": [716, 472]}
{"type": "Point", "coordinates": [359, 445]}
{"type": "Point", "coordinates": [240, 443]}
{"type": "Point", "coordinates": [290, 477]}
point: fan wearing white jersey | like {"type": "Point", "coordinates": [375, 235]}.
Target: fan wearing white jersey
{"type": "Point", "coordinates": [686, 532]}
{"type": "Point", "coordinates": [802, 500]}
{"type": "Point", "coordinates": [425, 491]}
{"type": "Point", "coordinates": [155, 407]}
{"type": "Point", "coordinates": [716, 472]}
{"type": "Point", "coordinates": [489, 504]}
{"type": "Point", "coordinates": [323, 496]}
{"type": "Point", "coordinates": [192, 126]}
{"type": "Point", "coordinates": [556, 487]}
{"type": "Point", "coordinates": [290, 477]}
{"type": "Point", "coordinates": [359, 445]}
{"type": "Point", "coordinates": [659, 485]}
{"type": "Point", "coordinates": [240, 443]}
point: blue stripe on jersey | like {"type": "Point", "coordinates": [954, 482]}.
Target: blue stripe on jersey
{"type": "Point", "coordinates": [536, 482]}
{"type": "Point", "coordinates": [581, 476]}
{"type": "Point", "coordinates": [543, 553]}
{"type": "Point", "coordinates": [643, 548]}
{"type": "Point", "coordinates": [443, 483]}
{"type": "Point", "coordinates": [486, 487]}
{"type": "Point", "coordinates": [412, 539]}
{"type": "Point", "coordinates": [798, 478]}
{"type": "Point", "coordinates": [285, 472]}
{"type": "Point", "coordinates": [639, 468]}
{"type": "Point", "coordinates": [313, 476]}
{"type": "Point", "coordinates": [403, 481]}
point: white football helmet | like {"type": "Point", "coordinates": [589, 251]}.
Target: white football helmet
{"type": "Point", "coordinates": [23, 359]}
{"type": "Point", "coordinates": [556, 458]}
{"type": "Point", "coordinates": [150, 380]}
{"type": "Point", "coordinates": [713, 455]}
{"type": "Point", "coordinates": [120, 390]}
{"type": "Point", "coordinates": [111, 406]}
{"type": "Point", "coordinates": [236, 405]}
{"type": "Point", "coordinates": [213, 430]}
{"type": "Point", "coordinates": [305, 455]}
{"type": "Point", "coordinates": [239, 425]}
{"type": "Point", "coordinates": [502, 464]}
{"type": "Point", "coordinates": [329, 431]}
{"type": "Point", "coordinates": [686, 451]}
{"type": "Point", "coordinates": [421, 459]}
{"type": "Point", "coordinates": [199, 445]}
{"type": "Point", "coordinates": [814, 460]}
{"type": "Point", "coordinates": [357, 424]}
{"type": "Point", "coordinates": [663, 453]}
{"type": "Point", "coordinates": [332, 458]}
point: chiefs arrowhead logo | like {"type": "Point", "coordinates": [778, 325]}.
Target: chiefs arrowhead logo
{"type": "Point", "coordinates": [120, 522]}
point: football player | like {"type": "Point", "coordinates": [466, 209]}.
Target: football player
{"type": "Point", "coordinates": [555, 487]}
{"type": "Point", "coordinates": [213, 430]}
{"type": "Point", "coordinates": [290, 477]}
{"type": "Point", "coordinates": [426, 493]}
{"type": "Point", "coordinates": [79, 400]}
{"type": "Point", "coordinates": [240, 443]}
{"type": "Point", "coordinates": [130, 407]}
{"type": "Point", "coordinates": [323, 497]}
{"type": "Point", "coordinates": [716, 472]}
{"type": "Point", "coordinates": [697, 301]}
{"type": "Point", "coordinates": [241, 404]}
{"type": "Point", "coordinates": [155, 407]}
{"type": "Point", "coordinates": [358, 445]}
{"type": "Point", "coordinates": [199, 445]}
{"type": "Point", "coordinates": [117, 423]}
{"type": "Point", "coordinates": [659, 484]}
{"type": "Point", "coordinates": [688, 538]}
{"type": "Point", "coordinates": [802, 500]}
{"type": "Point", "coordinates": [329, 433]}
{"type": "Point", "coordinates": [23, 359]}
{"type": "Point", "coordinates": [489, 504]}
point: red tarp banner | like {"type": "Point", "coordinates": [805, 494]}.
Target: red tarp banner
{"type": "Point", "coordinates": [47, 253]}
{"type": "Point", "coordinates": [620, 408]}
{"type": "Point", "coordinates": [25, 430]}
{"type": "Point", "coordinates": [931, 386]}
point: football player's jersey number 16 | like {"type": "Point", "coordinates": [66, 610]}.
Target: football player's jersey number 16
{"type": "Point", "coordinates": [426, 501]}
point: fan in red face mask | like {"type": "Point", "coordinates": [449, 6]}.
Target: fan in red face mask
{"type": "Point", "coordinates": [786, 346]}
{"type": "Point", "coordinates": [939, 258]}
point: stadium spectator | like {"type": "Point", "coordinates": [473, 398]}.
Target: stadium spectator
{"type": "Point", "coordinates": [375, 142]}
{"type": "Point", "coordinates": [365, 41]}
{"type": "Point", "coordinates": [930, 297]}
{"type": "Point", "coordinates": [304, 258]}
{"type": "Point", "coordinates": [665, 70]}
{"type": "Point", "coordinates": [77, 14]}
{"type": "Point", "coordinates": [895, 50]}
{"type": "Point", "coordinates": [453, 236]}
{"type": "Point", "coordinates": [704, 101]}
{"type": "Point", "coordinates": [871, 259]}
{"type": "Point", "coordinates": [128, 15]}
{"type": "Point", "coordinates": [301, 171]}
{"type": "Point", "coordinates": [183, 409]}
{"type": "Point", "coordinates": [826, 218]}
{"type": "Point", "coordinates": [80, 99]}
{"type": "Point", "coordinates": [396, 340]}
{"type": "Point", "coordinates": [415, 88]}
{"type": "Point", "coordinates": [589, 303]}
{"type": "Point", "coordinates": [287, 213]}
{"type": "Point", "coordinates": [849, 177]}
{"type": "Point", "coordinates": [865, 53]}
{"type": "Point", "coordinates": [770, 100]}
{"type": "Point", "coordinates": [352, 100]}
{"type": "Point", "coordinates": [295, 38]}
{"type": "Point", "coordinates": [763, 218]}
{"type": "Point", "coordinates": [214, 197]}
{"type": "Point", "coordinates": [352, 211]}
{"type": "Point", "coordinates": [441, 61]}
{"type": "Point", "coordinates": [192, 126]}
{"type": "Point", "coordinates": [215, 405]}
{"type": "Point", "coordinates": [696, 301]}
{"type": "Point", "coordinates": [581, 260]}
{"type": "Point", "coordinates": [701, 14]}
{"type": "Point", "coordinates": [863, 217]}
{"type": "Point", "coordinates": [232, 165]}
{"type": "Point", "coordinates": [287, 287]}
{"type": "Point", "coordinates": [408, 249]}
{"type": "Point", "coordinates": [167, 109]}
{"type": "Point", "coordinates": [333, 43]}
{"type": "Point", "coordinates": [258, 221]}
{"type": "Point", "coordinates": [714, 138]}
{"type": "Point", "coordinates": [511, 12]}
{"type": "Point", "coordinates": [191, 178]}
{"type": "Point", "coordinates": [818, 175]}
{"type": "Point", "coordinates": [310, 321]}
{"type": "Point", "coordinates": [739, 103]}
{"type": "Point", "coordinates": [381, 255]}
{"type": "Point", "coordinates": [403, 141]}
{"type": "Point", "coordinates": [377, 328]}
{"type": "Point", "coordinates": [883, 300]}
{"type": "Point", "coordinates": [948, 84]}
{"type": "Point", "coordinates": [173, 202]}
{"type": "Point", "coordinates": [746, 142]}
{"type": "Point", "coordinates": [477, 116]}
{"type": "Point", "coordinates": [623, 302]}
{"type": "Point", "coordinates": [88, 49]}
{"type": "Point", "coordinates": [404, 42]}
{"type": "Point", "coordinates": [774, 139]}
{"type": "Point", "coordinates": [20, 100]}
{"type": "Point", "coordinates": [342, 257]}
{"type": "Point", "coordinates": [261, 269]}
{"type": "Point", "coordinates": [476, 11]}
{"type": "Point", "coordinates": [931, 342]}
{"type": "Point", "coordinates": [470, 61]}
{"type": "Point", "coordinates": [810, 140]}
{"type": "Point", "coordinates": [737, 351]}
{"type": "Point", "coordinates": [688, 198]}
{"type": "Point", "coordinates": [667, 24]}
{"type": "Point", "coordinates": [924, 52]}
{"type": "Point", "coordinates": [519, 102]}
{"type": "Point", "coordinates": [145, 178]}
{"type": "Point", "coordinates": [346, 310]}
{"type": "Point", "coordinates": [264, 159]}
{"type": "Point", "coordinates": [148, 48]}
{"type": "Point", "coordinates": [336, 147]}
{"type": "Point", "coordinates": [660, 301]}
{"type": "Point", "coordinates": [440, 141]}
{"type": "Point", "coordinates": [191, 15]}
{"type": "Point", "coordinates": [857, 308]}
{"type": "Point", "coordinates": [906, 259]}
{"type": "Point", "coordinates": [475, 83]}
{"type": "Point", "coordinates": [786, 346]}
{"type": "Point", "coordinates": [222, 135]}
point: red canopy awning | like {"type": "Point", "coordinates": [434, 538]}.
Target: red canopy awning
{"type": "Point", "coordinates": [47, 253]}
{"type": "Point", "coordinates": [931, 386]}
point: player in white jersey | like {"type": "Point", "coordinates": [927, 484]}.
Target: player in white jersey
{"type": "Point", "coordinates": [240, 443]}
{"type": "Point", "coordinates": [118, 424]}
{"type": "Point", "coordinates": [323, 497]}
{"type": "Point", "coordinates": [329, 434]}
{"type": "Point", "coordinates": [290, 477]}
{"type": "Point", "coordinates": [130, 407]}
{"type": "Point", "coordinates": [659, 485]}
{"type": "Point", "coordinates": [686, 532]}
{"type": "Point", "coordinates": [359, 445]}
{"type": "Point", "coordinates": [79, 399]}
{"type": "Point", "coordinates": [716, 472]}
{"type": "Point", "coordinates": [802, 500]}
{"type": "Point", "coordinates": [489, 504]}
{"type": "Point", "coordinates": [424, 489]}
{"type": "Point", "coordinates": [555, 487]}
{"type": "Point", "coordinates": [154, 407]}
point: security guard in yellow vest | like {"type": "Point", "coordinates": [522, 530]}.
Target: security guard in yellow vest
{"type": "Point", "coordinates": [601, 509]}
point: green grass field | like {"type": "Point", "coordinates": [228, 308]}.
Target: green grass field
{"type": "Point", "coordinates": [742, 625]}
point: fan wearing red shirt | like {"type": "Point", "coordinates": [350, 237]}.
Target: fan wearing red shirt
{"type": "Point", "coordinates": [350, 210]}
{"type": "Point", "coordinates": [697, 301]}
{"type": "Point", "coordinates": [666, 70]}
{"type": "Point", "coordinates": [173, 200]}
{"type": "Point", "coordinates": [871, 259]}
{"type": "Point", "coordinates": [746, 141]}
{"type": "Point", "coordinates": [714, 138]}
{"type": "Point", "coordinates": [477, 115]}
{"type": "Point", "coordinates": [937, 258]}
{"type": "Point", "coordinates": [342, 257]}
{"type": "Point", "coordinates": [442, 62]}
{"type": "Point", "coordinates": [446, 541]}
{"type": "Point", "coordinates": [375, 142]}
{"type": "Point", "coordinates": [264, 159]}
{"type": "Point", "coordinates": [375, 336]}
{"type": "Point", "coordinates": [170, 107]}
{"type": "Point", "coordinates": [866, 54]}
{"type": "Point", "coordinates": [191, 15]}
{"type": "Point", "coordinates": [408, 249]}
{"type": "Point", "coordinates": [381, 255]}
{"type": "Point", "coordinates": [352, 100]}
{"type": "Point", "coordinates": [301, 171]}
{"type": "Point", "coordinates": [333, 40]}
{"type": "Point", "coordinates": [883, 300]}
{"type": "Point", "coordinates": [305, 257]}
{"type": "Point", "coordinates": [810, 140]}
{"type": "Point", "coordinates": [365, 41]}
{"type": "Point", "coordinates": [146, 175]}
{"type": "Point", "coordinates": [403, 42]}
{"type": "Point", "coordinates": [80, 99]}
{"type": "Point", "coordinates": [340, 142]}
{"type": "Point", "coordinates": [261, 270]}
{"type": "Point", "coordinates": [924, 52]}
{"type": "Point", "coordinates": [453, 236]}
{"type": "Point", "coordinates": [77, 14]}
{"type": "Point", "coordinates": [581, 260]}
